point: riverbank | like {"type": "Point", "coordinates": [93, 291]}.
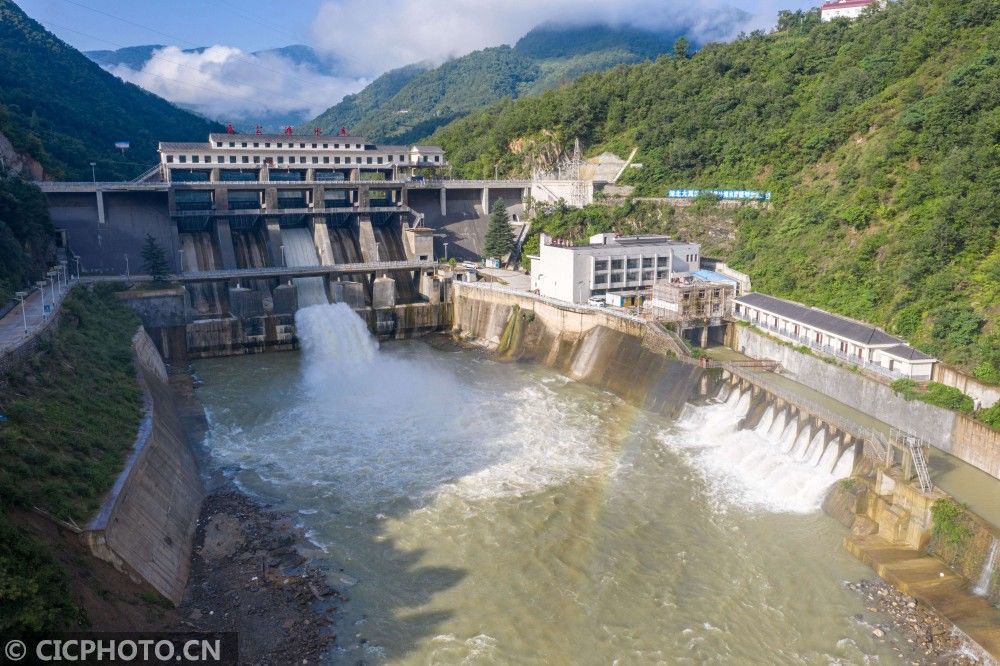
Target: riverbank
{"type": "Point", "coordinates": [917, 633]}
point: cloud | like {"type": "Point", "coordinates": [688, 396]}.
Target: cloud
{"type": "Point", "coordinates": [223, 82]}
{"type": "Point", "coordinates": [370, 38]}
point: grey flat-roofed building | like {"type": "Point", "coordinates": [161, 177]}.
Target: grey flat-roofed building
{"type": "Point", "coordinates": [857, 342]}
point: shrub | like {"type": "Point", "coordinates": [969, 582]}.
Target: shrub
{"type": "Point", "coordinates": [949, 521]}
{"type": "Point", "coordinates": [990, 416]}
{"type": "Point", "coordinates": [948, 397]}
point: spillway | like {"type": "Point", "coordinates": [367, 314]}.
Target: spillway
{"type": "Point", "coordinates": [501, 513]}
{"type": "Point", "coordinates": [300, 250]}
{"type": "Point", "coordinates": [251, 252]}
{"type": "Point", "coordinates": [200, 253]}
{"type": "Point", "coordinates": [389, 237]}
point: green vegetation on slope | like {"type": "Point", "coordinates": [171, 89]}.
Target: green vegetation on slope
{"type": "Point", "coordinates": [65, 111]}
{"type": "Point", "coordinates": [25, 235]}
{"type": "Point", "coordinates": [73, 411]}
{"type": "Point", "coordinates": [407, 104]}
{"type": "Point", "coordinates": [878, 138]}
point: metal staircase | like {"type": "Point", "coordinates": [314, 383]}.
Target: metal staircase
{"type": "Point", "coordinates": [915, 447]}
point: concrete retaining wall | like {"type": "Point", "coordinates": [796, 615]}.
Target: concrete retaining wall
{"type": "Point", "coordinates": [984, 394]}
{"type": "Point", "coordinates": [146, 525]}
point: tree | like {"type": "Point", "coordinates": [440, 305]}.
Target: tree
{"type": "Point", "coordinates": [154, 261]}
{"type": "Point", "coordinates": [681, 47]}
{"type": "Point", "coordinates": [499, 237]}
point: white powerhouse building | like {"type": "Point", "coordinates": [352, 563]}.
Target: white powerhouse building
{"type": "Point", "coordinates": [608, 264]}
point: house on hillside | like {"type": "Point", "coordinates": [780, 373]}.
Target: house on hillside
{"type": "Point", "coordinates": [849, 9]}
{"type": "Point", "coordinates": [853, 341]}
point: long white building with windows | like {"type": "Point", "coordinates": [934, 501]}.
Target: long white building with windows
{"type": "Point", "coordinates": [856, 342]}
{"type": "Point", "coordinates": [284, 157]}
{"type": "Point", "coordinates": [609, 263]}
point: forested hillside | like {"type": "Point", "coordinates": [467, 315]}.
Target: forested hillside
{"type": "Point", "coordinates": [879, 139]}
{"type": "Point", "coordinates": [409, 103]}
{"type": "Point", "coordinates": [66, 112]}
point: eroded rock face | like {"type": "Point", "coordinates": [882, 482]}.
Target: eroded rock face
{"type": "Point", "coordinates": [14, 163]}
{"type": "Point", "coordinates": [223, 537]}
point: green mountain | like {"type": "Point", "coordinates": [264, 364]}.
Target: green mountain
{"type": "Point", "coordinates": [410, 103]}
{"type": "Point", "coordinates": [65, 111]}
{"type": "Point", "coordinates": [878, 138]}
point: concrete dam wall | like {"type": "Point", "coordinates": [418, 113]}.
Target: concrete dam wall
{"type": "Point", "coordinates": [146, 525]}
{"type": "Point", "coordinates": [963, 437]}
{"type": "Point", "coordinates": [588, 345]}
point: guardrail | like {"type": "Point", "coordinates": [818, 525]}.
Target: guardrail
{"type": "Point", "coordinates": [563, 305]}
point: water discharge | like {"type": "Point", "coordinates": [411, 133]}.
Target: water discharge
{"type": "Point", "coordinates": [300, 250]}
{"type": "Point", "coordinates": [982, 587]}
{"type": "Point", "coordinates": [500, 513]}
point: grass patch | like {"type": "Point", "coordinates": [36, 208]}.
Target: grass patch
{"type": "Point", "coordinates": [949, 522]}
{"type": "Point", "coordinates": [73, 412]}
{"type": "Point", "coordinates": [936, 394]}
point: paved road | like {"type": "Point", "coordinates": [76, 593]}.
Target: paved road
{"type": "Point", "coordinates": [12, 326]}
{"type": "Point", "coordinates": [513, 279]}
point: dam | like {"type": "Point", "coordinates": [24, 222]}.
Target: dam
{"type": "Point", "coordinates": [467, 504]}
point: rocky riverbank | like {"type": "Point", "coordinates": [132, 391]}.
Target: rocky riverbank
{"type": "Point", "coordinates": [917, 633]}
{"type": "Point", "coordinates": [248, 576]}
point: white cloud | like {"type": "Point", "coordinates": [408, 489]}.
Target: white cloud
{"type": "Point", "coordinates": [370, 38]}
{"type": "Point", "coordinates": [224, 83]}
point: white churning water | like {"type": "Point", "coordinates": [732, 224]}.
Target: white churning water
{"type": "Point", "coordinates": [499, 513]}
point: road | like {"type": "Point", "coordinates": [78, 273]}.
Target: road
{"type": "Point", "coordinates": [12, 326]}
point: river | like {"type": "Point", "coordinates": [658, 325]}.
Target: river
{"type": "Point", "coordinates": [493, 513]}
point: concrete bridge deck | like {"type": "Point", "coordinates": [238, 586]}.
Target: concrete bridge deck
{"type": "Point", "coordinates": [128, 186]}
{"type": "Point", "coordinates": [284, 272]}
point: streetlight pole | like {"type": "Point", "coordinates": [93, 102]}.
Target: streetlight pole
{"type": "Point", "coordinates": [284, 262]}
{"type": "Point", "coordinates": [180, 257]}
{"type": "Point", "coordinates": [93, 173]}
{"type": "Point", "coordinates": [24, 316]}
{"type": "Point", "coordinates": [41, 285]}
{"type": "Point", "coordinates": [446, 251]}
{"type": "Point", "coordinates": [77, 257]}
{"type": "Point", "coordinates": [126, 264]}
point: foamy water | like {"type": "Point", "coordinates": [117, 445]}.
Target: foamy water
{"type": "Point", "coordinates": [498, 513]}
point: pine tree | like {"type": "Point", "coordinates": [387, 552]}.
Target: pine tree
{"type": "Point", "coordinates": [499, 237]}
{"type": "Point", "coordinates": [154, 261]}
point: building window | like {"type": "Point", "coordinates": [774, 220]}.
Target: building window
{"type": "Point", "coordinates": [357, 160]}
{"type": "Point", "coordinates": [182, 159]}
{"type": "Point", "coordinates": [716, 293]}
{"type": "Point", "coordinates": [336, 159]}
{"type": "Point", "coordinates": [195, 159]}
{"type": "Point", "coordinates": [358, 146]}
{"type": "Point", "coordinates": [686, 297]}
{"type": "Point", "coordinates": [617, 264]}
{"type": "Point", "coordinates": [256, 144]}
{"type": "Point", "coordinates": [647, 275]}
{"type": "Point", "coordinates": [267, 144]}
{"type": "Point", "coordinates": [715, 307]}
{"type": "Point", "coordinates": [601, 265]}
{"type": "Point", "coordinates": [314, 145]}
{"type": "Point", "coordinates": [232, 144]}
{"type": "Point", "coordinates": [369, 160]}
{"type": "Point", "coordinates": [632, 276]}
{"type": "Point", "coordinates": [315, 159]}
{"type": "Point", "coordinates": [220, 159]}
{"type": "Point", "coordinates": [170, 159]}
{"type": "Point", "coordinates": [326, 159]}
{"type": "Point", "coordinates": [325, 146]}
{"type": "Point", "coordinates": [243, 145]}
{"type": "Point", "coordinates": [661, 273]}
{"type": "Point", "coordinates": [302, 159]}
{"type": "Point", "coordinates": [402, 158]}
{"type": "Point", "coordinates": [218, 144]}
{"type": "Point", "coordinates": [246, 159]}
{"type": "Point", "coordinates": [616, 277]}
{"type": "Point", "coordinates": [437, 158]}
{"type": "Point", "coordinates": [256, 159]}
{"type": "Point", "coordinates": [378, 160]}
{"type": "Point", "coordinates": [600, 278]}
{"type": "Point", "coordinates": [843, 346]}
{"type": "Point", "coordinates": [647, 262]}
{"type": "Point", "coordinates": [232, 159]}
{"type": "Point", "coordinates": [633, 263]}
{"type": "Point", "coordinates": [281, 159]}
{"type": "Point", "coordinates": [819, 338]}
{"type": "Point", "coordinates": [336, 145]}
{"type": "Point", "coordinates": [390, 158]}
{"type": "Point", "coordinates": [278, 144]}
